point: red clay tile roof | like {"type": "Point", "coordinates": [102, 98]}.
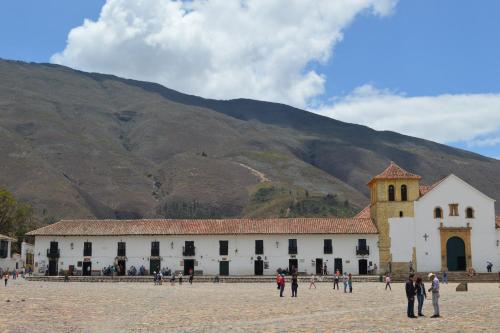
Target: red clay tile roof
{"type": "Point", "coordinates": [364, 214]}
{"type": "Point", "coordinates": [394, 171]}
{"type": "Point", "coordinates": [208, 227]}
{"type": "Point", "coordinates": [497, 221]}
{"type": "Point", "coordinates": [424, 189]}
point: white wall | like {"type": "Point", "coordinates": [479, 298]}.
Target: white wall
{"type": "Point", "coordinates": [496, 267]}
{"type": "Point", "coordinates": [10, 262]}
{"type": "Point", "coordinates": [483, 242]}
{"type": "Point", "coordinates": [310, 247]}
{"type": "Point", "coordinates": [402, 234]}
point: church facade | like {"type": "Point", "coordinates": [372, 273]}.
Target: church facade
{"type": "Point", "coordinates": [447, 226]}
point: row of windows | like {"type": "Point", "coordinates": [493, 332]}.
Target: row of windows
{"type": "Point", "coordinates": [453, 211]}
{"type": "Point", "coordinates": [189, 248]}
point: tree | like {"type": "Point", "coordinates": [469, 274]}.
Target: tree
{"type": "Point", "coordinates": [16, 218]}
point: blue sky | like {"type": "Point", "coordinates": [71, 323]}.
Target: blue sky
{"type": "Point", "coordinates": [412, 57]}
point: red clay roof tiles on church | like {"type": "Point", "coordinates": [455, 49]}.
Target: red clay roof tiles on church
{"type": "Point", "coordinates": [394, 171]}
{"type": "Point", "coordinates": [208, 227]}
{"type": "Point", "coordinates": [424, 189]}
{"type": "Point", "coordinates": [364, 214]}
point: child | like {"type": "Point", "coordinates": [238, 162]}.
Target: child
{"type": "Point", "coordinates": [350, 283]}
{"type": "Point", "coordinates": [336, 279]}
{"type": "Point", "coordinates": [388, 282]}
{"type": "Point", "coordinates": [313, 280]}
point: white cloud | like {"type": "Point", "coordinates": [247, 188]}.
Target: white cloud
{"type": "Point", "coordinates": [218, 48]}
{"type": "Point", "coordinates": [474, 118]}
{"type": "Point", "coordinates": [485, 142]}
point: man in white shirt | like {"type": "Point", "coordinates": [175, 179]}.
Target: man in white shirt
{"type": "Point", "coordinates": [435, 294]}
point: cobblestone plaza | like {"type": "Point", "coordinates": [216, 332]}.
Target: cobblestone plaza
{"type": "Point", "coordinates": [229, 307]}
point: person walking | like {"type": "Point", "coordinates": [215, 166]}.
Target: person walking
{"type": "Point", "coordinates": [282, 284]}
{"type": "Point", "coordinates": [172, 278]}
{"type": "Point", "coordinates": [388, 282]}
{"type": "Point", "coordinates": [410, 295]}
{"type": "Point", "coordinates": [421, 295]}
{"type": "Point", "coordinates": [349, 282]}
{"type": "Point", "coordinates": [345, 280]}
{"type": "Point", "coordinates": [180, 278]}
{"type": "Point", "coordinates": [325, 270]}
{"type": "Point", "coordinates": [295, 284]}
{"type": "Point", "coordinates": [278, 279]}
{"type": "Point", "coordinates": [445, 276]}
{"type": "Point", "coordinates": [191, 277]}
{"type": "Point", "coordinates": [313, 281]}
{"type": "Point", "coordinates": [336, 279]}
{"type": "Point", "coordinates": [435, 294]}
{"type": "Point", "coordinates": [6, 277]}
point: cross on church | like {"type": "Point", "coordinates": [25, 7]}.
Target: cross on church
{"type": "Point", "coordinates": [426, 236]}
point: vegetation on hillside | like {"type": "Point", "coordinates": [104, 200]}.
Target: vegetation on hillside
{"type": "Point", "coordinates": [272, 200]}
{"type": "Point", "coordinates": [16, 218]}
{"type": "Point", "coordinates": [191, 210]}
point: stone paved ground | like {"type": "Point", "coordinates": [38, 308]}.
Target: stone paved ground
{"type": "Point", "coordinates": [206, 307]}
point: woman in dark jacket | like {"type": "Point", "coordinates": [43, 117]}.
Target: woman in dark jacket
{"type": "Point", "coordinates": [421, 295]}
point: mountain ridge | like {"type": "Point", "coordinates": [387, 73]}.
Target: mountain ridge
{"type": "Point", "coordinates": [84, 144]}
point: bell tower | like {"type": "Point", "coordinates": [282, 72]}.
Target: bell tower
{"type": "Point", "coordinates": [392, 194]}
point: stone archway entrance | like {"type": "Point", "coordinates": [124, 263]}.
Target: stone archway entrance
{"type": "Point", "coordinates": [455, 254]}
{"type": "Point", "coordinates": [456, 251]}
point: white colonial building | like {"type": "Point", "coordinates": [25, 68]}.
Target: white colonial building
{"type": "Point", "coordinates": [6, 260]}
{"type": "Point", "coordinates": [10, 261]}
{"type": "Point", "coordinates": [447, 226]}
{"type": "Point", "coordinates": [210, 247]}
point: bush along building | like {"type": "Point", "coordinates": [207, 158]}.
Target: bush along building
{"type": "Point", "coordinates": [447, 226]}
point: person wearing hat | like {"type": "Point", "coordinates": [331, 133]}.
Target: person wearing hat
{"type": "Point", "coordinates": [435, 294]}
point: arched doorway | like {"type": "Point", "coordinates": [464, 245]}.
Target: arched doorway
{"type": "Point", "coordinates": [455, 254]}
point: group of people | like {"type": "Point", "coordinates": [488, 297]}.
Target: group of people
{"type": "Point", "coordinates": [281, 281]}
{"type": "Point", "coordinates": [346, 280]}
{"type": "Point", "coordinates": [415, 288]}
{"type": "Point", "coordinates": [14, 274]}
{"type": "Point", "coordinates": [158, 277]}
